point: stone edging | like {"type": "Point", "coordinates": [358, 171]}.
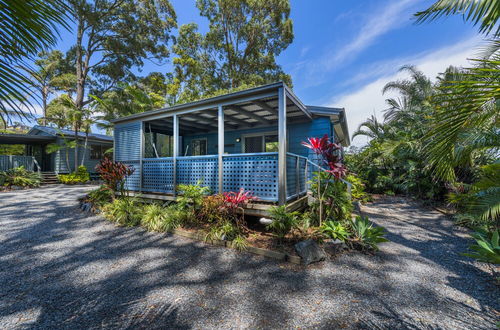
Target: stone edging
{"type": "Point", "coordinates": [255, 250]}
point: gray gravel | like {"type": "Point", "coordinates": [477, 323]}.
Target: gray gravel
{"type": "Point", "coordinates": [61, 268]}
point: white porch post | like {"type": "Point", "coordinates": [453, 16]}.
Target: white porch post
{"type": "Point", "coordinates": [282, 149]}
{"type": "Point", "coordinates": [175, 153]}
{"type": "Point", "coordinates": [220, 143]}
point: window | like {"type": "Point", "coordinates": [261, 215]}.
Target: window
{"type": "Point", "coordinates": [199, 147]}
{"type": "Point", "coordinates": [267, 142]}
{"type": "Point", "coordinates": [97, 151]}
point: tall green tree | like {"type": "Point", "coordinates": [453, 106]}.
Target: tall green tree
{"type": "Point", "coordinates": [239, 50]}
{"type": "Point", "coordinates": [112, 37]}
{"type": "Point", "coordinates": [46, 68]}
{"type": "Point", "coordinates": [26, 28]}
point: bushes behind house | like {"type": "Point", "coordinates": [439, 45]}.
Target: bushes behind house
{"type": "Point", "coordinates": [80, 176]}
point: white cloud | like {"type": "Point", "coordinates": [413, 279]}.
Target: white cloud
{"type": "Point", "coordinates": [368, 99]}
{"type": "Point", "coordinates": [389, 18]}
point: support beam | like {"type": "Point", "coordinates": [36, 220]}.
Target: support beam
{"type": "Point", "coordinates": [238, 121]}
{"type": "Point", "coordinates": [266, 106]}
{"type": "Point", "coordinates": [250, 114]}
{"type": "Point", "coordinates": [220, 148]}
{"type": "Point", "coordinates": [282, 146]}
{"type": "Point", "coordinates": [175, 151]}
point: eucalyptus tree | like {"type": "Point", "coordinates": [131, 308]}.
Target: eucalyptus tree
{"type": "Point", "coordinates": [112, 37]}
{"type": "Point", "coordinates": [26, 27]}
{"type": "Point", "coordinates": [239, 49]}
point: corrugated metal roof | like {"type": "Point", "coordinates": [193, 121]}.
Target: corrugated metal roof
{"type": "Point", "coordinates": [69, 133]}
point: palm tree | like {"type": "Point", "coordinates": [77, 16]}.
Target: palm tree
{"type": "Point", "coordinates": [374, 129]}
{"type": "Point", "coordinates": [483, 12]}
{"type": "Point", "coordinates": [27, 28]}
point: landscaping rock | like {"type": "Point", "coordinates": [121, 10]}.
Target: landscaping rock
{"type": "Point", "coordinates": [16, 188]}
{"type": "Point", "coordinates": [335, 247]}
{"type": "Point", "coordinates": [310, 251]}
{"type": "Point", "coordinates": [266, 221]}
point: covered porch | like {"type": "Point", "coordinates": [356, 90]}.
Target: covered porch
{"type": "Point", "coordinates": [180, 145]}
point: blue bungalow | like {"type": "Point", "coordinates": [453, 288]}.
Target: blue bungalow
{"type": "Point", "coordinates": [260, 129]}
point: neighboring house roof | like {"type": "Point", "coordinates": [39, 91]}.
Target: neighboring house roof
{"type": "Point", "coordinates": [69, 133]}
{"type": "Point", "coordinates": [25, 139]}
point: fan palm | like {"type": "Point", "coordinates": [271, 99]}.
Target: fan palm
{"type": "Point", "coordinates": [26, 27]}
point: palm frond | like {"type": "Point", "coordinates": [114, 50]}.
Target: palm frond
{"type": "Point", "coordinates": [483, 12]}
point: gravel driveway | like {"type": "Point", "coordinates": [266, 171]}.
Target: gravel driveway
{"type": "Point", "coordinates": [60, 268]}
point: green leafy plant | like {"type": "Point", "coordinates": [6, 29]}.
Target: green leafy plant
{"type": "Point", "coordinates": [124, 211]}
{"type": "Point", "coordinates": [155, 217]}
{"type": "Point", "coordinates": [486, 248]}
{"type": "Point", "coordinates": [80, 176]}
{"type": "Point", "coordinates": [335, 230]}
{"type": "Point", "coordinates": [225, 230]}
{"type": "Point", "coordinates": [283, 221]}
{"type": "Point", "coordinates": [191, 196]}
{"type": "Point", "coordinates": [100, 196]}
{"type": "Point", "coordinates": [337, 204]}
{"type": "Point", "coordinates": [358, 188]}
{"type": "Point", "coordinates": [365, 235]}
{"type": "Point", "coordinates": [239, 243]}
{"type": "Point", "coordinates": [19, 176]}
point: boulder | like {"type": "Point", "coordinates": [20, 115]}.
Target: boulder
{"type": "Point", "coordinates": [310, 251]}
{"type": "Point", "coordinates": [265, 221]}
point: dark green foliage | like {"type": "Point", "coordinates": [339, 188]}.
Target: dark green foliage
{"type": "Point", "coordinates": [100, 196]}
{"type": "Point", "coordinates": [336, 199]}
{"type": "Point", "coordinates": [162, 219]}
{"type": "Point", "coordinates": [190, 200]}
{"type": "Point", "coordinates": [19, 176]}
{"type": "Point", "coordinates": [125, 211]}
{"type": "Point", "coordinates": [486, 248]}
{"type": "Point", "coordinates": [283, 221]}
{"type": "Point", "coordinates": [335, 230]}
{"type": "Point", "coordinates": [365, 235]}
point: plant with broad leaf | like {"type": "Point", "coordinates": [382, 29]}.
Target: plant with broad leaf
{"type": "Point", "coordinates": [114, 174]}
{"type": "Point", "coordinates": [330, 160]}
{"type": "Point", "coordinates": [237, 200]}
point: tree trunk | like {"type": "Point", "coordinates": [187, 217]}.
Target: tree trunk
{"type": "Point", "coordinates": [44, 105]}
{"type": "Point", "coordinates": [80, 83]}
{"type": "Point", "coordinates": [85, 146]}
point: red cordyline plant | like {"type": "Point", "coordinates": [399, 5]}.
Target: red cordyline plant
{"type": "Point", "coordinates": [330, 159]}
{"type": "Point", "coordinates": [114, 174]}
{"type": "Point", "coordinates": [234, 200]}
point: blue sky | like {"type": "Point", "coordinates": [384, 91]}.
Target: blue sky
{"type": "Point", "coordinates": [345, 51]}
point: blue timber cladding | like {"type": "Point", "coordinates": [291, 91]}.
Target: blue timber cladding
{"type": "Point", "coordinates": [296, 134]}
{"type": "Point", "coordinates": [128, 141]}
{"type": "Point", "coordinates": [128, 150]}
{"type": "Point", "coordinates": [59, 159]}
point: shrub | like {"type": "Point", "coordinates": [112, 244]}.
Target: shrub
{"type": "Point", "coordinates": [486, 248]}
{"type": "Point", "coordinates": [100, 196]}
{"type": "Point", "coordinates": [335, 230]}
{"type": "Point", "coordinates": [124, 211]}
{"type": "Point", "coordinates": [365, 235]}
{"type": "Point", "coordinates": [225, 230]}
{"type": "Point", "coordinates": [19, 176]}
{"type": "Point", "coordinates": [162, 219]}
{"type": "Point", "coordinates": [337, 204]}
{"type": "Point", "coordinates": [213, 209]}
{"type": "Point", "coordinates": [283, 221]}
{"type": "Point", "coordinates": [191, 196]}
{"type": "Point", "coordinates": [80, 176]}
{"type": "Point", "coordinates": [358, 188]}
{"type": "Point", "coordinates": [114, 174]}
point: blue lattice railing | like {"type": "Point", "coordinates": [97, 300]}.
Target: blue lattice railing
{"type": "Point", "coordinates": [256, 172]}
